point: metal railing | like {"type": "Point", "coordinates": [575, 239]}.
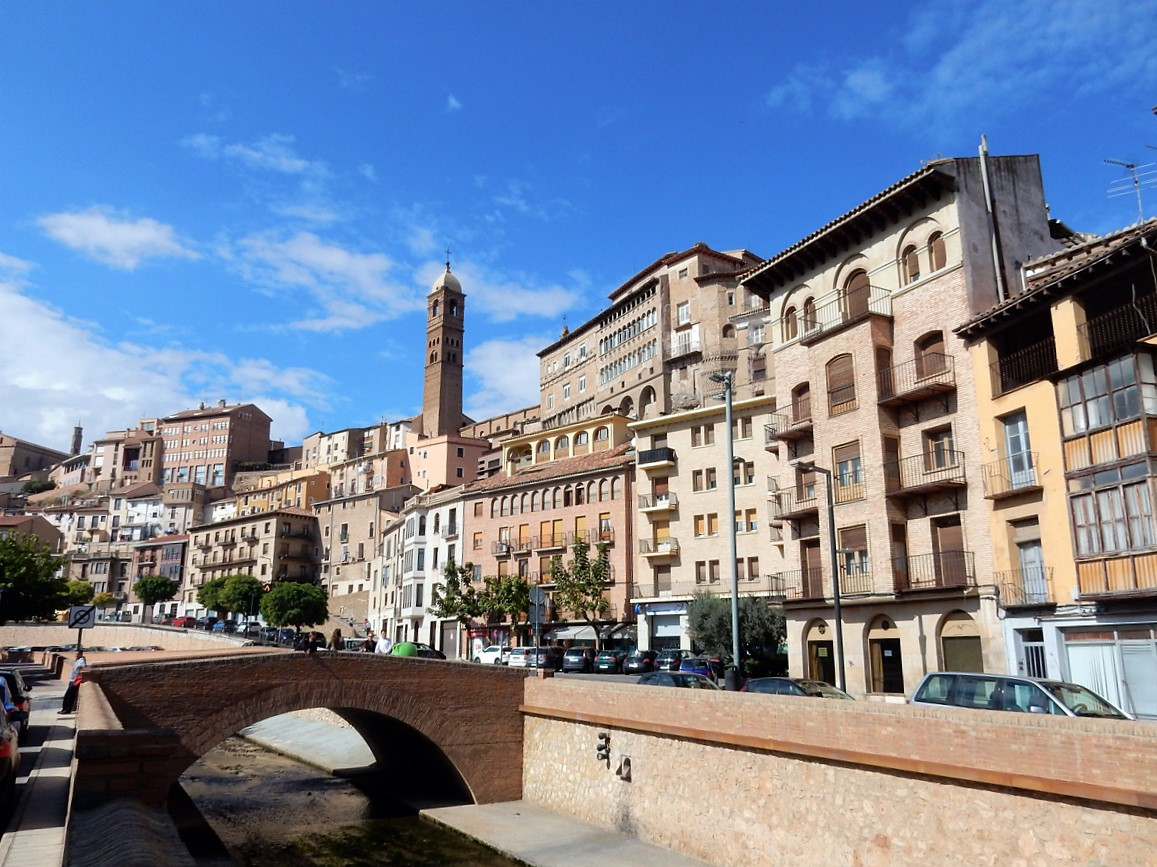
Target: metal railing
{"type": "Point", "coordinates": [928, 374]}
{"type": "Point", "coordinates": [663, 547]}
{"type": "Point", "coordinates": [1014, 369]}
{"type": "Point", "coordinates": [1024, 586]}
{"type": "Point", "coordinates": [684, 347]}
{"type": "Point", "coordinates": [1010, 475]}
{"type": "Point", "coordinates": [798, 583]}
{"type": "Point", "coordinates": [658, 501]}
{"type": "Point", "coordinates": [857, 582]}
{"type": "Point", "coordinates": [846, 309]}
{"type": "Point", "coordinates": [792, 503]}
{"type": "Point", "coordinates": [656, 456]}
{"type": "Point", "coordinates": [929, 571]}
{"type": "Point", "coordinates": [942, 469]}
{"type": "Point", "coordinates": [1118, 328]}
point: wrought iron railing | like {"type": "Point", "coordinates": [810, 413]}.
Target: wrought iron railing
{"type": "Point", "coordinates": [929, 571]}
{"type": "Point", "coordinates": [1024, 586]}
{"type": "Point", "coordinates": [943, 468]}
{"type": "Point", "coordinates": [792, 502]}
{"type": "Point", "coordinates": [1118, 328]}
{"type": "Point", "coordinates": [1014, 369]}
{"type": "Point", "coordinates": [658, 501]}
{"type": "Point", "coordinates": [660, 547]}
{"type": "Point", "coordinates": [933, 371]}
{"type": "Point", "coordinates": [1010, 475]}
{"type": "Point", "coordinates": [846, 309]}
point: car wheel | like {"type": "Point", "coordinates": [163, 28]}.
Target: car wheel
{"type": "Point", "coordinates": [478, 659]}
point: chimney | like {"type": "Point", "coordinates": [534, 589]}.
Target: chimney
{"type": "Point", "coordinates": [221, 403]}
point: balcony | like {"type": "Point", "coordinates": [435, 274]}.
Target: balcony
{"type": "Point", "coordinates": [1033, 363]}
{"type": "Point", "coordinates": [790, 426]}
{"type": "Point", "coordinates": [798, 584]}
{"type": "Point", "coordinates": [925, 474]}
{"type": "Point", "coordinates": [684, 346]}
{"type": "Point", "coordinates": [941, 570]}
{"type": "Point", "coordinates": [858, 582]}
{"type": "Point", "coordinates": [605, 536]}
{"type": "Point", "coordinates": [656, 549]}
{"type": "Point", "coordinates": [555, 542]}
{"type": "Point", "coordinates": [1117, 329]}
{"type": "Point", "coordinates": [1011, 476]}
{"type": "Point", "coordinates": [522, 546]}
{"type": "Point", "coordinates": [1024, 586]}
{"type": "Point", "coordinates": [450, 532]}
{"type": "Point", "coordinates": [653, 459]}
{"type": "Point", "coordinates": [1118, 577]}
{"type": "Point", "coordinates": [502, 548]}
{"type": "Point", "coordinates": [845, 311]}
{"type": "Point", "coordinates": [793, 504]}
{"type": "Point", "coordinates": [657, 502]}
{"type": "Point", "coordinates": [928, 375]}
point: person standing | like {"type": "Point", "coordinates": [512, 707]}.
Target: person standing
{"type": "Point", "coordinates": [335, 640]}
{"type": "Point", "coordinates": [75, 676]}
{"type": "Point", "coordinates": [384, 644]}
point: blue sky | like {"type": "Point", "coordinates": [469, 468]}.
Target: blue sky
{"type": "Point", "coordinates": [249, 200]}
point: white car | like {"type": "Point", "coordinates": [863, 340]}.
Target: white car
{"type": "Point", "coordinates": [493, 654]}
{"type": "Point", "coordinates": [517, 658]}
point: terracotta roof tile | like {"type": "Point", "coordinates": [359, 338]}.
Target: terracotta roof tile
{"type": "Point", "coordinates": [621, 455]}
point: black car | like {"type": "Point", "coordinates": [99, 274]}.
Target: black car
{"type": "Point", "coordinates": [708, 666]}
{"type": "Point", "coordinates": [610, 661]}
{"type": "Point", "coordinates": [578, 659]}
{"type": "Point", "coordinates": [670, 659]}
{"type": "Point", "coordinates": [793, 686]}
{"type": "Point", "coordinates": [545, 657]}
{"type": "Point", "coordinates": [19, 691]}
{"type": "Point", "coordinates": [640, 662]}
{"type": "Point", "coordinates": [677, 678]}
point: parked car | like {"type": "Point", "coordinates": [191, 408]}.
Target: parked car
{"type": "Point", "coordinates": [544, 657]}
{"type": "Point", "coordinates": [225, 626]}
{"type": "Point", "coordinates": [677, 678]}
{"type": "Point", "coordinates": [252, 629]}
{"type": "Point", "coordinates": [494, 654]}
{"type": "Point", "coordinates": [610, 661]}
{"type": "Point", "coordinates": [670, 659]}
{"type": "Point", "coordinates": [21, 698]}
{"type": "Point", "coordinates": [640, 662]}
{"type": "Point", "coordinates": [185, 622]}
{"type": "Point", "coordinates": [517, 658]}
{"type": "Point", "coordinates": [793, 686]}
{"type": "Point", "coordinates": [269, 633]}
{"type": "Point", "coordinates": [16, 718]}
{"type": "Point", "coordinates": [9, 764]}
{"type": "Point", "coordinates": [1012, 693]}
{"type": "Point", "coordinates": [416, 648]}
{"type": "Point", "coordinates": [579, 659]}
{"type": "Point", "coordinates": [708, 666]}
{"type": "Point", "coordinates": [205, 622]}
{"type": "Point", "coordinates": [286, 635]}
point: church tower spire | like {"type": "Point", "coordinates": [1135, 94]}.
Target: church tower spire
{"type": "Point", "coordinates": [445, 328]}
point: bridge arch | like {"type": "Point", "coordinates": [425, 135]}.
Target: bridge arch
{"type": "Point", "coordinates": [450, 724]}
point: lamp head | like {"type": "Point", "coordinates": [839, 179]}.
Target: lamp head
{"type": "Point", "coordinates": [719, 376]}
{"type": "Point", "coordinates": [800, 464]}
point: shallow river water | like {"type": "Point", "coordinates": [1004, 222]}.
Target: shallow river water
{"type": "Point", "coordinates": [271, 811]}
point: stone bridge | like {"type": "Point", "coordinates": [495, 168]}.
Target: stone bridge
{"type": "Point", "coordinates": [452, 731]}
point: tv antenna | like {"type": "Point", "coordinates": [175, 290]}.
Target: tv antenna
{"type": "Point", "coordinates": [1139, 177]}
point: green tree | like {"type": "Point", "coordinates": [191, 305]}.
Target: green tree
{"type": "Point", "coordinates": [210, 593]}
{"type": "Point", "coordinates": [294, 604]}
{"type": "Point", "coordinates": [578, 587]}
{"type": "Point", "coordinates": [79, 593]}
{"type": "Point", "coordinates": [455, 597]}
{"type": "Point", "coordinates": [504, 597]}
{"type": "Point", "coordinates": [104, 600]}
{"type": "Point", "coordinates": [37, 487]}
{"type": "Point", "coordinates": [240, 593]}
{"type": "Point", "coordinates": [30, 586]}
{"type": "Point", "coordinates": [761, 627]}
{"type": "Point", "coordinates": [152, 589]}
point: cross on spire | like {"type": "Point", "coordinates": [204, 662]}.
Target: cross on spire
{"type": "Point", "coordinates": [447, 259]}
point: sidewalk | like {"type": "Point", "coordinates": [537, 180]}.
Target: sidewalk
{"type": "Point", "coordinates": [36, 832]}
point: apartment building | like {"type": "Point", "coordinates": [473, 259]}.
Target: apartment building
{"type": "Point", "coordinates": [879, 413]}
{"type": "Point", "coordinates": [418, 544]}
{"type": "Point", "coordinates": [559, 486]}
{"type": "Point", "coordinates": [682, 513]}
{"type": "Point", "coordinates": [352, 528]}
{"type": "Point", "coordinates": [32, 525]}
{"type": "Point", "coordinates": [281, 545]}
{"type": "Point", "coordinates": [204, 446]}
{"type": "Point", "coordinates": [124, 458]}
{"type": "Point", "coordinates": [161, 555]}
{"type": "Point", "coordinates": [1067, 390]}
{"type": "Point", "coordinates": [650, 350]}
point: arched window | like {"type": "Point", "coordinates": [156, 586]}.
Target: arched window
{"type": "Point", "coordinates": [582, 443]}
{"type": "Point", "coordinates": [579, 495]}
{"type": "Point", "coordinates": [910, 264]}
{"type": "Point", "coordinates": [936, 253]}
{"type": "Point", "coordinates": [616, 488]}
{"type": "Point", "coordinates": [534, 501]}
{"type": "Point", "coordinates": [809, 316]}
{"type": "Point", "coordinates": [453, 308]}
{"type": "Point", "coordinates": [437, 523]}
{"type": "Point", "coordinates": [790, 324]}
{"type": "Point", "coordinates": [567, 499]}
{"type": "Point", "coordinates": [544, 448]}
{"type": "Point", "coordinates": [434, 309]}
{"type": "Point", "coordinates": [841, 384]}
{"type": "Point", "coordinates": [930, 356]}
{"type": "Point", "coordinates": [602, 490]}
{"type": "Point", "coordinates": [854, 295]}
{"type": "Point", "coordinates": [421, 525]}
{"type": "Point", "coordinates": [562, 447]}
{"type": "Point", "coordinates": [494, 508]}
{"type": "Point", "coordinates": [558, 498]}
{"type": "Point", "coordinates": [433, 357]}
{"type": "Point", "coordinates": [728, 332]}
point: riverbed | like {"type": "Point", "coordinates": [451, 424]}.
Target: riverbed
{"type": "Point", "coordinates": [271, 811]}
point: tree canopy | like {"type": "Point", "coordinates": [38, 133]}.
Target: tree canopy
{"type": "Point", "coordinates": [28, 580]}
{"type": "Point", "coordinates": [455, 598]}
{"type": "Point", "coordinates": [294, 604]}
{"type": "Point", "coordinates": [239, 593]}
{"type": "Point", "coordinates": [578, 587]}
{"type": "Point", "coordinates": [504, 596]}
{"type": "Point", "coordinates": [104, 600]}
{"type": "Point", "coordinates": [210, 593]}
{"type": "Point", "coordinates": [761, 627]}
{"type": "Point", "coordinates": [79, 593]}
{"type": "Point", "coordinates": [152, 589]}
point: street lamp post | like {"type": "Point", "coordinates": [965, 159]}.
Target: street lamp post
{"type": "Point", "coordinates": [808, 466]}
{"type": "Point", "coordinates": [731, 676]}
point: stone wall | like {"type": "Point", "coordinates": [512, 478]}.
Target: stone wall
{"type": "Point", "coordinates": [114, 635]}
{"type": "Point", "coordinates": [754, 779]}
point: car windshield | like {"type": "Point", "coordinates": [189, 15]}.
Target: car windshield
{"type": "Point", "coordinates": [819, 689]}
{"type": "Point", "coordinates": [607, 654]}
{"type": "Point", "coordinates": [1082, 701]}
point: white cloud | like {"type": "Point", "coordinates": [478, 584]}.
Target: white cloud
{"type": "Point", "coordinates": [59, 370]}
{"type": "Point", "coordinates": [115, 239]}
{"type": "Point", "coordinates": [273, 153]}
{"type": "Point", "coordinates": [504, 298]}
{"type": "Point", "coordinates": [349, 289]}
{"type": "Point", "coordinates": [453, 103]}
{"type": "Point", "coordinates": [948, 62]}
{"type": "Point", "coordinates": [507, 372]}
{"type": "Point", "coordinates": [367, 171]}
{"type": "Point", "coordinates": [354, 81]}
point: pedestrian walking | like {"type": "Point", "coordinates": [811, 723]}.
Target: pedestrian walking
{"type": "Point", "coordinates": [68, 706]}
{"type": "Point", "coordinates": [335, 640]}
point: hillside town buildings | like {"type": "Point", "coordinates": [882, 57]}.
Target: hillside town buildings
{"type": "Point", "coordinates": [962, 383]}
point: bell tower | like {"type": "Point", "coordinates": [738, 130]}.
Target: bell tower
{"type": "Point", "coordinates": [445, 328]}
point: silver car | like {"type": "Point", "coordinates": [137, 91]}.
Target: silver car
{"type": "Point", "coordinates": [1012, 693]}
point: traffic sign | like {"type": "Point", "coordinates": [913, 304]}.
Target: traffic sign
{"type": "Point", "coordinates": [82, 617]}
